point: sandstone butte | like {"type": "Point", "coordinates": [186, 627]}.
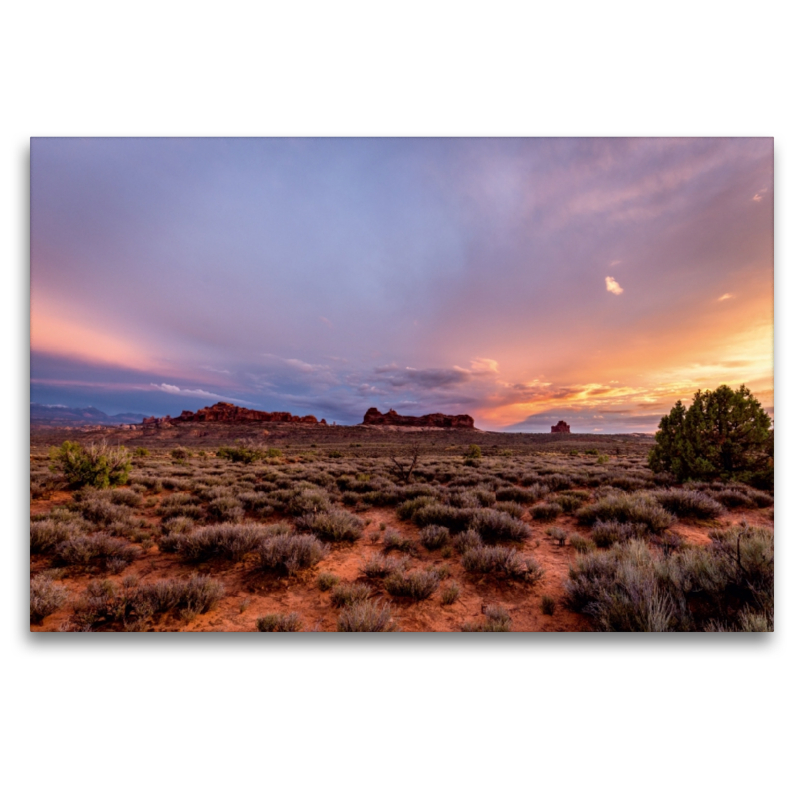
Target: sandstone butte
{"type": "Point", "coordinates": [227, 412]}
{"type": "Point", "coordinates": [562, 427]}
{"type": "Point", "coordinates": [391, 417]}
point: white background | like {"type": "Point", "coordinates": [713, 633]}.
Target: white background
{"type": "Point", "coordinates": [409, 716]}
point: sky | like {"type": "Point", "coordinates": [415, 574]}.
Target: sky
{"type": "Point", "coordinates": [520, 281]}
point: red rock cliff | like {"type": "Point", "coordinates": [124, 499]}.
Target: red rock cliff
{"type": "Point", "coordinates": [391, 417]}
{"type": "Point", "coordinates": [227, 412]}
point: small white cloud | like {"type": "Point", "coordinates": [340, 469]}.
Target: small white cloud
{"type": "Point", "coordinates": [612, 286]}
{"type": "Point", "coordinates": [726, 296]}
{"type": "Point", "coordinates": [170, 389]}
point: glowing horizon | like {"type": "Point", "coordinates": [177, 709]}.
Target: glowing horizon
{"type": "Point", "coordinates": [516, 280]}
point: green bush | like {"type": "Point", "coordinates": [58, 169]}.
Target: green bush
{"type": "Point", "coordinates": [98, 465]}
{"type": "Point", "coordinates": [723, 434]}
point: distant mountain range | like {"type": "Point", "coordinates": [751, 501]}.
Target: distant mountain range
{"type": "Point", "coordinates": [62, 416]}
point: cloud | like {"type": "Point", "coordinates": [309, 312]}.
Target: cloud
{"type": "Point", "coordinates": [170, 389]}
{"type": "Point", "coordinates": [726, 296]}
{"type": "Point", "coordinates": [612, 286]}
{"type": "Point", "coordinates": [481, 366]}
{"type": "Point", "coordinates": [326, 321]}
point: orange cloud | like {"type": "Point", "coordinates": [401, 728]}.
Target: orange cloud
{"type": "Point", "coordinates": [612, 286]}
{"type": "Point", "coordinates": [61, 337]}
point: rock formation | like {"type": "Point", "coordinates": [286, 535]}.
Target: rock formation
{"type": "Point", "coordinates": [562, 427]}
{"type": "Point", "coordinates": [391, 417]}
{"type": "Point", "coordinates": [227, 412]}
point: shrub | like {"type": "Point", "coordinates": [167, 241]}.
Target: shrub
{"type": "Point", "coordinates": [279, 623]}
{"type": "Point", "coordinates": [95, 508]}
{"type": "Point", "coordinates": [434, 536]}
{"type": "Point", "coordinates": [498, 620]}
{"type": "Point", "coordinates": [333, 526]}
{"type": "Point", "coordinates": [345, 594]}
{"type": "Point", "coordinates": [308, 501]}
{"type": "Point", "coordinates": [379, 566]}
{"type": "Point", "coordinates": [548, 605]}
{"type": "Point", "coordinates": [501, 562]}
{"type": "Point", "coordinates": [466, 541]}
{"type": "Point", "coordinates": [473, 455]}
{"type": "Point", "coordinates": [606, 534]}
{"type": "Point", "coordinates": [723, 434]}
{"type": "Point", "coordinates": [559, 534]}
{"type": "Point", "coordinates": [125, 497]}
{"type": "Point", "coordinates": [454, 519]}
{"type": "Point", "coordinates": [98, 465]}
{"type": "Point", "coordinates": [47, 534]}
{"type": "Point", "coordinates": [367, 616]}
{"type": "Point", "coordinates": [731, 498]}
{"type": "Point", "coordinates": [568, 503]}
{"type": "Point", "coordinates": [636, 508]}
{"type": "Point", "coordinates": [180, 453]}
{"type": "Point", "coordinates": [394, 540]}
{"type": "Point", "coordinates": [46, 597]}
{"type": "Point", "coordinates": [497, 526]}
{"type": "Point", "coordinates": [243, 454]}
{"type": "Point", "coordinates": [687, 503]}
{"type": "Point", "coordinates": [85, 550]}
{"type": "Point", "coordinates": [512, 509]}
{"type": "Point", "coordinates": [725, 586]}
{"type": "Point", "coordinates": [451, 593]}
{"type": "Point", "coordinates": [326, 580]}
{"type": "Point", "coordinates": [180, 505]}
{"type": "Point", "coordinates": [545, 512]}
{"type": "Point", "coordinates": [518, 495]}
{"type": "Point", "coordinates": [196, 594]}
{"type": "Point", "coordinates": [290, 554]}
{"type": "Point", "coordinates": [761, 499]}
{"type": "Point", "coordinates": [580, 544]}
{"type": "Point", "coordinates": [417, 585]}
{"type": "Point", "coordinates": [226, 509]}
{"type": "Point", "coordinates": [231, 542]}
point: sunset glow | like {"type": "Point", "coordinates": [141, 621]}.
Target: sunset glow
{"type": "Point", "coordinates": [521, 281]}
